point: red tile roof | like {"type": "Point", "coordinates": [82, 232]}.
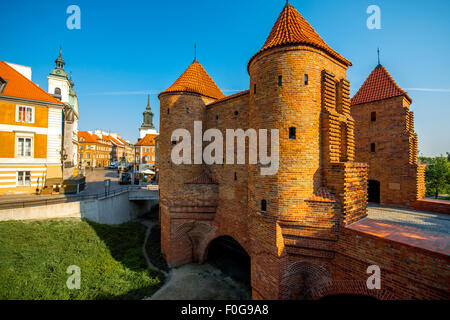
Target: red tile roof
{"type": "Point", "coordinates": [113, 140]}
{"type": "Point", "coordinates": [195, 79]}
{"type": "Point", "coordinates": [19, 86]}
{"type": "Point", "coordinates": [291, 28]}
{"type": "Point", "coordinates": [87, 137]}
{"type": "Point", "coordinates": [378, 86]}
{"type": "Point", "coordinates": [148, 140]}
{"type": "Point", "coordinates": [322, 195]}
{"type": "Point", "coordinates": [203, 178]}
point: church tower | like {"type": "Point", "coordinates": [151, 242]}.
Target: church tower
{"type": "Point", "coordinates": [147, 126]}
{"type": "Point", "coordinates": [58, 81]}
{"type": "Point", "coordinates": [62, 87]}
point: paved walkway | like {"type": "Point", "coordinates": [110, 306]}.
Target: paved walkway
{"type": "Point", "coordinates": [429, 231]}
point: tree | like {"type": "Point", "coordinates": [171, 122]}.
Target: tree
{"type": "Point", "coordinates": [437, 176]}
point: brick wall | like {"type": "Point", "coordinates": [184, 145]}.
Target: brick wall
{"type": "Point", "coordinates": [394, 162]}
{"type": "Point", "coordinates": [406, 272]}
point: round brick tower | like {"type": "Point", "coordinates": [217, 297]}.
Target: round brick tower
{"type": "Point", "coordinates": [181, 105]}
{"type": "Point", "coordinates": [286, 94]}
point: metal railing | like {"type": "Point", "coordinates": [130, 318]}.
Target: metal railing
{"type": "Point", "coordinates": [63, 199]}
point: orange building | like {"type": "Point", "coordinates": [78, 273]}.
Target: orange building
{"type": "Point", "coordinates": [94, 150]}
{"type": "Point", "coordinates": [146, 150]}
{"type": "Point", "coordinates": [30, 132]}
{"type": "Point", "coordinates": [100, 149]}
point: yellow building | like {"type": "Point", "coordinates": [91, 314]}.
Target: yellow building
{"type": "Point", "coordinates": [30, 132]}
{"type": "Point", "coordinates": [100, 149]}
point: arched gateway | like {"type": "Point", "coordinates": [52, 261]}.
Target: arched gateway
{"type": "Point", "coordinates": [230, 257]}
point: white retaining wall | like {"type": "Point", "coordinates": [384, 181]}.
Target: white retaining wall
{"type": "Point", "coordinates": [114, 209]}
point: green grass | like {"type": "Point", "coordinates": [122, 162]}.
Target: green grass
{"type": "Point", "coordinates": [34, 257]}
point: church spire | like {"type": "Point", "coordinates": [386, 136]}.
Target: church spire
{"type": "Point", "coordinates": [148, 116]}
{"type": "Point", "coordinates": [60, 61]}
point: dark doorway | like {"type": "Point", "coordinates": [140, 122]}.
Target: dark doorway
{"type": "Point", "coordinates": [226, 254]}
{"type": "Point", "coordinates": [374, 191]}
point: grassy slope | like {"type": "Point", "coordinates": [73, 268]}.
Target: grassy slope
{"type": "Point", "coordinates": [34, 257]}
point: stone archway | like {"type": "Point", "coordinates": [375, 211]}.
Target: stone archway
{"type": "Point", "coordinates": [190, 239]}
{"type": "Point", "coordinates": [301, 279]}
{"type": "Point", "coordinates": [336, 289]}
{"type": "Point", "coordinates": [230, 257]}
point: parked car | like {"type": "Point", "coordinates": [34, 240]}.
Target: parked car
{"type": "Point", "coordinates": [125, 178]}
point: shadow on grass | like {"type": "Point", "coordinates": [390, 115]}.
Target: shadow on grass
{"type": "Point", "coordinates": [153, 249]}
{"type": "Point", "coordinates": [125, 243]}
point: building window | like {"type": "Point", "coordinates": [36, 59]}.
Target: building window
{"type": "Point", "coordinates": [24, 147]}
{"type": "Point", "coordinates": [168, 111]}
{"type": "Point", "coordinates": [23, 178]}
{"type": "Point", "coordinates": [235, 176]}
{"type": "Point", "coordinates": [147, 150]}
{"type": "Point", "coordinates": [58, 91]}
{"type": "Point", "coordinates": [217, 118]}
{"type": "Point", "coordinates": [3, 83]}
{"type": "Point", "coordinates": [146, 158]}
{"type": "Point", "coordinates": [306, 79]}
{"type": "Point", "coordinates": [25, 114]}
{"type": "Point", "coordinates": [254, 88]}
{"type": "Point", "coordinates": [263, 206]}
{"type": "Point", "coordinates": [280, 81]}
{"type": "Point", "coordinates": [372, 147]}
{"type": "Point", "coordinates": [373, 116]}
{"type": "Point", "coordinates": [292, 133]}
{"type": "Point", "coordinates": [187, 110]}
{"type": "Point", "coordinates": [236, 113]}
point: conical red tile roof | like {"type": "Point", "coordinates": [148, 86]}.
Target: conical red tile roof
{"type": "Point", "coordinates": [196, 80]}
{"type": "Point", "coordinates": [378, 86]}
{"type": "Point", "coordinates": [292, 28]}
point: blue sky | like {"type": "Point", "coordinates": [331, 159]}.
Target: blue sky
{"type": "Point", "coordinates": [127, 49]}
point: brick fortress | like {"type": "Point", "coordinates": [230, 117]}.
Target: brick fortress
{"type": "Point", "coordinates": [385, 139]}
{"type": "Point", "coordinates": [304, 228]}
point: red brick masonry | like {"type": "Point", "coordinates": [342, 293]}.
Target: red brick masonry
{"type": "Point", "coordinates": [305, 227]}
{"type": "Point", "coordinates": [439, 206]}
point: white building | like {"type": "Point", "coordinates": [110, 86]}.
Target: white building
{"type": "Point", "coordinates": [61, 87]}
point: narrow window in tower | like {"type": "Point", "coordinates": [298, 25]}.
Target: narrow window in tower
{"type": "Point", "coordinates": [306, 79]}
{"type": "Point", "coordinates": [254, 88]}
{"type": "Point", "coordinates": [263, 206]}
{"type": "Point", "coordinates": [372, 147]}
{"type": "Point", "coordinates": [280, 81]}
{"type": "Point", "coordinates": [187, 110]}
{"type": "Point", "coordinates": [217, 117]}
{"type": "Point", "coordinates": [292, 133]}
{"type": "Point", "coordinates": [235, 176]}
{"type": "Point", "coordinates": [168, 111]}
{"type": "Point", "coordinates": [373, 116]}
{"type": "Point", "coordinates": [236, 113]}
